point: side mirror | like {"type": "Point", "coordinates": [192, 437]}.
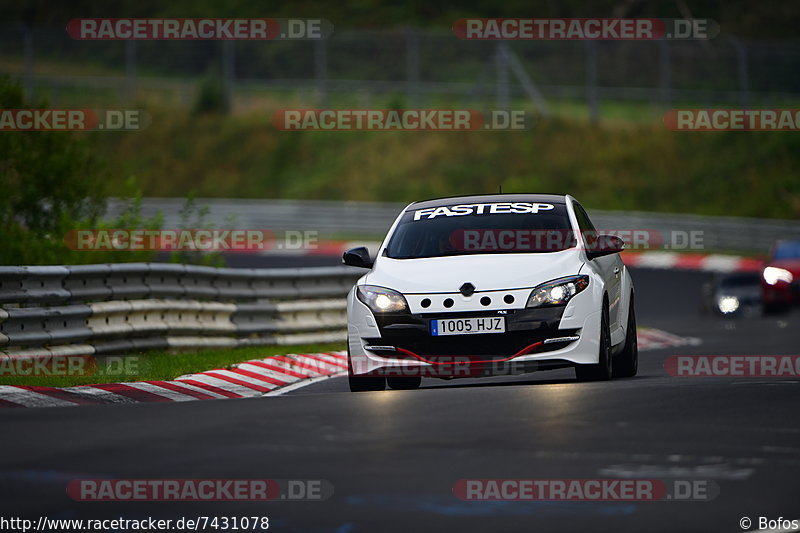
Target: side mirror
{"type": "Point", "coordinates": [357, 257]}
{"type": "Point", "coordinates": [604, 245]}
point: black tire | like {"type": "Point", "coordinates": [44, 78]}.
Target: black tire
{"type": "Point", "coordinates": [603, 370]}
{"type": "Point", "coordinates": [404, 382]}
{"type": "Point", "coordinates": [626, 365]}
{"type": "Point", "coordinates": [364, 383]}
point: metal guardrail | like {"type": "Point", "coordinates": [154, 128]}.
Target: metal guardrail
{"type": "Point", "coordinates": [373, 219]}
{"type": "Point", "coordinates": [124, 308]}
{"type": "Point", "coordinates": [367, 219]}
{"type": "Point", "coordinates": [738, 234]}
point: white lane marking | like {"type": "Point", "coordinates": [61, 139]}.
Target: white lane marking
{"type": "Point", "coordinates": [780, 449]}
{"type": "Point", "coordinates": [714, 471]}
{"type": "Point", "coordinates": [32, 399]}
{"type": "Point", "coordinates": [626, 457]}
{"type": "Point", "coordinates": [161, 391]}
{"type": "Point", "coordinates": [303, 383]}
{"type": "Point", "coordinates": [653, 339]}
{"type": "Point", "coordinates": [768, 383]}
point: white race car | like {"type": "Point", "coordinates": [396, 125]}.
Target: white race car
{"type": "Point", "coordinates": [490, 285]}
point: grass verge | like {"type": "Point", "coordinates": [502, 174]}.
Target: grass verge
{"type": "Point", "coordinates": [641, 166]}
{"type": "Point", "coordinates": [156, 365]}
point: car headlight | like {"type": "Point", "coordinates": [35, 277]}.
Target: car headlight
{"type": "Point", "coordinates": [772, 275]}
{"type": "Point", "coordinates": [381, 299]}
{"type": "Point", "coordinates": [728, 304]}
{"type": "Point", "coordinates": [557, 292]}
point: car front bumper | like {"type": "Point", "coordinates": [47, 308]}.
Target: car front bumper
{"type": "Point", "coordinates": [535, 339]}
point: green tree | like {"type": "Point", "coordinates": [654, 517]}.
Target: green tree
{"type": "Point", "coordinates": [50, 181]}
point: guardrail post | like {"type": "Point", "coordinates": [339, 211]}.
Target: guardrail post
{"type": "Point", "coordinates": [228, 72]}
{"type": "Point", "coordinates": [130, 71]}
{"type": "Point", "coordinates": [742, 71]}
{"type": "Point", "coordinates": [27, 42]}
{"type": "Point", "coordinates": [664, 73]}
{"type": "Point", "coordinates": [412, 68]}
{"type": "Point", "coordinates": [501, 66]}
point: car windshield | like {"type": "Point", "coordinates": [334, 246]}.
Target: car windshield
{"type": "Point", "coordinates": [492, 228]}
{"type": "Point", "coordinates": [787, 250]}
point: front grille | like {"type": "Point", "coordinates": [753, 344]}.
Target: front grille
{"type": "Point", "coordinates": [488, 347]}
{"type": "Point", "coordinates": [521, 321]}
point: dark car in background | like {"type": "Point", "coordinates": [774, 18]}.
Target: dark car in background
{"type": "Point", "coordinates": [736, 294]}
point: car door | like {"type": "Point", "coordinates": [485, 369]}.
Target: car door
{"type": "Point", "coordinates": [609, 267]}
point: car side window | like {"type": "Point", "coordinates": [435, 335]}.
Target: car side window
{"type": "Point", "coordinates": [587, 228]}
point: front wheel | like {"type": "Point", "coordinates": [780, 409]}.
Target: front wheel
{"type": "Point", "coordinates": [602, 371]}
{"type": "Point", "coordinates": [364, 383]}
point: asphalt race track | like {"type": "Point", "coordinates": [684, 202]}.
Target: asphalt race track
{"type": "Point", "coordinates": [393, 457]}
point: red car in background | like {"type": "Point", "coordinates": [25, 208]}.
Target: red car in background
{"type": "Point", "coordinates": [780, 278]}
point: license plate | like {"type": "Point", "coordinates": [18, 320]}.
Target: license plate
{"type": "Point", "coordinates": [466, 326]}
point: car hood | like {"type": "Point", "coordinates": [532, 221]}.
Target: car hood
{"type": "Point", "coordinates": [486, 272]}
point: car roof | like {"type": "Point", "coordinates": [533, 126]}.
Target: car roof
{"type": "Point", "coordinates": [491, 198]}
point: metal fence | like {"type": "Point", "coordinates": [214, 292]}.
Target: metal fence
{"type": "Point", "coordinates": [407, 67]}
{"type": "Point", "coordinates": [371, 220]}
{"type": "Point", "coordinates": [127, 308]}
